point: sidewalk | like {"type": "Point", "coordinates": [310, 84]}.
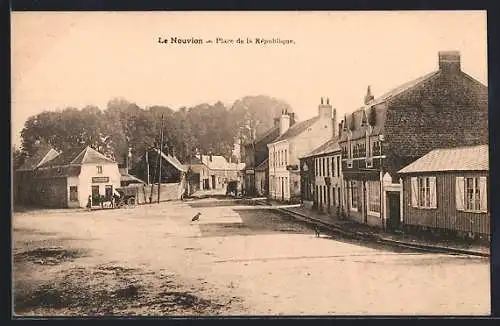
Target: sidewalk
{"type": "Point", "coordinates": [352, 228]}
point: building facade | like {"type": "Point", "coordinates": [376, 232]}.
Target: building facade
{"type": "Point", "coordinates": [293, 142]}
{"type": "Point", "coordinates": [68, 179]}
{"type": "Point", "coordinates": [448, 190]}
{"type": "Point", "coordinates": [445, 108]}
{"type": "Point", "coordinates": [328, 178]}
{"type": "Point", "coordinates": [256, 152]}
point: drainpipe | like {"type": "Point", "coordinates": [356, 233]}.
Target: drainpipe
{"type": "Point", "coordinates": [382, 200]}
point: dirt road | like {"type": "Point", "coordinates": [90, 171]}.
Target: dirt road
{"type": "Point", "coordinates": [152, 260]}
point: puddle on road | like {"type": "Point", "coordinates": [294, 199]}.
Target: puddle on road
{"type": "Point", "coordinates": [48, 256]}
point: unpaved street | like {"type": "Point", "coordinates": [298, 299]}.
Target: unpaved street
{"type": "Point", "coordinates": [152, 260]}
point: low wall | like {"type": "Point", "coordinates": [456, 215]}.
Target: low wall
{"type": "Point", "coordinates": [168, 191]}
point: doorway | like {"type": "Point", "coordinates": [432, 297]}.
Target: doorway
{"type": "Point", "coordinates": [108, 192]}
{"type": "Point", "coordinates": [95, 195]}
{"type": "Point", "coordinates": [394, 210]}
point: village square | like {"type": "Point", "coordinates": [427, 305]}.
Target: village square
{"type": "Point", "coordinates": [380, 211]}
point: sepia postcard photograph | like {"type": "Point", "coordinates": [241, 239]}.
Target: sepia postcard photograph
{"type": "Point", "coordinates": [250, 163]}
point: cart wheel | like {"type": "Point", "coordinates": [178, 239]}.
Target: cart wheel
{"type": "Point", "coordinates": [131, 202]}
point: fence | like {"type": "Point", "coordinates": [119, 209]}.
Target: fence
{"type": "Point", "coordinates": [168, 191]}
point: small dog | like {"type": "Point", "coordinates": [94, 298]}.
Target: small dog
{"type": "Point", "coordinates": [316, 231]}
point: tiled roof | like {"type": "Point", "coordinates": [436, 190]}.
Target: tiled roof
{"type": "Point", "coordinates": [79, 156]}
{"type": "Point", "coordinates": [217, 162]}
{"type": "Point", "coordinates": [354, 119]}
{"type": "Point", "coordinates": [297, 129]}
{"type": "Point", "coordinates": [330, 146]}
{"type": "Point", "coordinates": [43, 154]}
{"type": "Point", "coordinates": [173, 160]}
{"type": "Point", "coordinates": [471, 158]}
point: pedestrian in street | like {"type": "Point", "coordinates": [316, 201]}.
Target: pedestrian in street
{"type": "Point", "coordinates": [89, 203]}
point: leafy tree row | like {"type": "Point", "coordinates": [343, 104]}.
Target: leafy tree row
{"type": "Point", "coordinates": [123, 125]}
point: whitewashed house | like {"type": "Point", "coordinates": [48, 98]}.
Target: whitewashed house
{"type": "Point", "coordinates": [293, 142]}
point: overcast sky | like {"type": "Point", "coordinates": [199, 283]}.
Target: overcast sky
{"type": "Point", "coordinates": [75, 59]}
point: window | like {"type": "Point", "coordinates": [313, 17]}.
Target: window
{"type": "Point", "coordinates": [333, 167]}
{"type": "Point", "coordinates": [374, 197]}
{"type": "Point", "coordinates": [286, 158]}
{"type": "Point", "coordinates": [471, 194]}
{"type": "Point", "coordinates": [354, 196]}
{"type": "Point", "coordinates": [73, 193]}
{"type": "Point", "coordinates": [338, 166]}
{"type": "Point", "coordinates": [327, 167]}
{"type": "Point", "coordinates": [323, 166]}
{"type": "Point", "coordinates": [99, 169]}
{"type": "Point", "coordinates": [423, 192]}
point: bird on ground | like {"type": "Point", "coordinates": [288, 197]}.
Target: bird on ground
{"type": "Point", "coordinates": [196, 217]}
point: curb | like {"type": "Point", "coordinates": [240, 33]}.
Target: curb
{"type": "Point", "coordinates": [362, 235]}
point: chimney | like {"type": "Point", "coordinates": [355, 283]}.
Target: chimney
{"type": "Point", "coordinates": [292, 118]}
{"type": "Point", "coordinates": [449, 61]}
{"type": "Point", "coordinates": [325, 110]}
{"type": "Point", "coordinates": [284, 122]}
{"type": "Point", "coordinates": [368, 97]}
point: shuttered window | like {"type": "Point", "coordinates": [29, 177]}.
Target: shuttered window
{"type": "Point", "coordinates": [423, 192]}
{"type": "Point", "coordinates": [471, 194]}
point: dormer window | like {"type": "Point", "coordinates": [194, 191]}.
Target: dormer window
{"type": "Point", "coordinates": [99, 169]}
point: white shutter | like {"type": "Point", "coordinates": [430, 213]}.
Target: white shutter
{"type": "Point", "coordinates": [414, 192]}
{"type": "Point", "coordinates": [483, 192]}
{"type": "Point", "coordinates": [459, 193]}
{"type": "Point", "coordinates": [432, 186]}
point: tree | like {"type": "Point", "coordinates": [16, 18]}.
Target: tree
{"type": "Point", "coordinates": [18, 158]}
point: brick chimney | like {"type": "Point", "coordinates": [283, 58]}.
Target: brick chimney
{"type": "Point", "coordinates": [449, 61]}
{"type": "Point", "coordinates": [292, 118]}
{"type": "Point", "coordinates": [368, 97]}
{"type": "Point", "coordinates": [284, 122]}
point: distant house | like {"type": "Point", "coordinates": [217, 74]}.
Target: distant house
{"type": "Point", "coordinates": [293, 142]}
{"type": "Point", "coordinates": [220, 170]}
{"type": "Point", "coordinates": [447, 189]}
{"type": "Point", "coordinates": [261, 179]}
{"type": "Point", "coordinates": [256, 152]}
{"type": "Point", "coordinates": [198, 176]}
{"type": "Point", "coordinates": [67, 179]}
{"type": "Point", "coordinates": [323, 183]}
{"type": "Point", "coordinates": [445, 108]}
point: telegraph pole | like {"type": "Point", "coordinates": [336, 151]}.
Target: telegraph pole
{"type": "Point", "coordinates": [147, 166]}
{"type": "Point", "coordinates": [160, 152]}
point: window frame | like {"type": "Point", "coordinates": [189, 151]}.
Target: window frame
{"type": "Point", "coordinates": [374, 186]}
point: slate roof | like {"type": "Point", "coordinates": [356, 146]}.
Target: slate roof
{"type": "Point", "coordinates": [263, 166]}
{"type": "Point", "coordinates": [43, 154]}
{"type": "Point", "coordinates": [329, 146]}
{"type": "Point", "coordinates": [79, 156]}
{"type": "Point", "coordinates": [470, 158]}
{"type": "Point", "coordinates": [126, 177]}
{"type": "Point", "coordinates": [297, 129]}
{"type": "Point", "coordinates": [173, 160]}
{"type": "Point", "coordinates": [353, 120]}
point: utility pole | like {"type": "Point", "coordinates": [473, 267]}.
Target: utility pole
{"type": "Point", "coordinates": [160, 152]}
{"type": "Point", "coordinates": [147, 166]}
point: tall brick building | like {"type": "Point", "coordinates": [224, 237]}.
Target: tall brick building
{"type": "Point", "coordinates": [445, 108]}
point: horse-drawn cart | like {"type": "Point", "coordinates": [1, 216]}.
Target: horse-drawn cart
{"type": "Point", "coordinates": [127, 196]}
